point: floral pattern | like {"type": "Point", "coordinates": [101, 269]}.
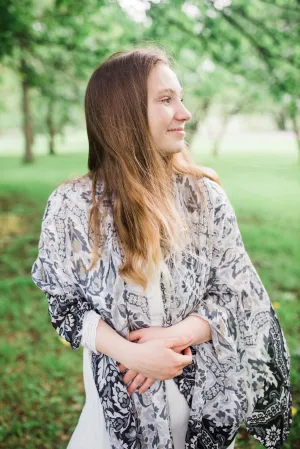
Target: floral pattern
{"type": "Point", "coordinates": [241, 376]}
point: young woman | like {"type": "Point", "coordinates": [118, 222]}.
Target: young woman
{"type": "Point", "coordinates": [143, 264]}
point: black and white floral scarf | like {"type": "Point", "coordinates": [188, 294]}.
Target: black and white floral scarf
{"type": "Point", "coordinates": [239, 377]}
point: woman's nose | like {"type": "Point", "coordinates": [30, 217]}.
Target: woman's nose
{"type": "Point", "coordinates": [183, 113]}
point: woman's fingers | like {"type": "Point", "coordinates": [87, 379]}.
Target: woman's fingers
{"type": "Point", "coordinates": [174, 342]}
{"type": "Point", "coordinates": [134, 335]}
{"type": "Point", "coordinates": [187, 351]}
{"type": "Point", "coordinates": [147, 384]}
{"type": "Point", "coordinates": [138, 380]}
{"type": "Point", "coordinates": [184, 360]}
{"type": "Point", "coordinates": [129, 376]}
{"type": "Point", "coordinates": [122, 367]}
{"type": "Point", "coordinates": [179, 349]}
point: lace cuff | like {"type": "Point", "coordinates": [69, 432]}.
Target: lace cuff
{"type": "Point", "coordinates": [89, 327]}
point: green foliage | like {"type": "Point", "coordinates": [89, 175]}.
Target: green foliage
{"type": "Point", "coordinates": [54, 45]}
{"type": "Point", "coordinates": [15, 25]}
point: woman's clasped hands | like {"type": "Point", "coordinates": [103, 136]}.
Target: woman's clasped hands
{"type": "Point", "coordinates": [157, 356]}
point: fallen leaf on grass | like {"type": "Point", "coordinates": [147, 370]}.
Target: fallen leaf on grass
{"type": "Point", "coordinates": [64, 342]}
{"type": "Point", "coordinates": [76, 407]}
{"type": "Point", "coordinates": [64, 437]}
{"type": "Point", "coordinates": [10, 224]}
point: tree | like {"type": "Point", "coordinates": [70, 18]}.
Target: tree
{"type": "Point", "coordinates": [51, 44]}
{"type": "Point", "coordinates": [16, 42]}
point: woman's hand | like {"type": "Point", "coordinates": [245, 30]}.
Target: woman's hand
{"type": "Point", "coordinates": [149, 333]}
{"type": "Point", "coordinates": [176, 360]}
{"type": "Point", "coordinates": [195, 325]}
{"type": "Point", "coordinates": [138, 380]}
{"type": "Point", "coordinates": [157, 360]}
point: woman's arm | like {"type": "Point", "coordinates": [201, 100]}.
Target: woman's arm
{"type": "Point", "coordinates": [154, 359]}
{"type": "Point", "coordinates": [53, 271]}
{"type": "Point", "coordinates": [197, 327]}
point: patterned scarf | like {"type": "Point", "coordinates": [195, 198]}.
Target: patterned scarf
{"type": "Point", "coordinates": [239, 377]}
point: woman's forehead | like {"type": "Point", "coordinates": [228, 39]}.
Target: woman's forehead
{"type": "Point", "coordinates": [163, 79]}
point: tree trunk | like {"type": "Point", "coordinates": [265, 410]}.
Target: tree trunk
{"type": "Point", "coordinates": [296, 129]}
{"type": "Point", "coordinates": [51, 128]}
{"type": "Point", "coordinates": [27, 125]}
{"type": "Point", "coordinates": [226, 119]}
{"type": "Point", "coordinates": [198, 118]}
{"type": "Point", "coordinates": [280, 120]}
{"type": "Point", "coordinates": [220, 135]}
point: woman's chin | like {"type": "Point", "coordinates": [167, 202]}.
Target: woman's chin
{"type": "Point", "coordinates": [172, 149]}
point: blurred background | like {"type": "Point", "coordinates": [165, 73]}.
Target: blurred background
{"type": "Point", "coordinates": [239, 64]}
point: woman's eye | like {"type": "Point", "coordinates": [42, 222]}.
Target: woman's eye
{"type": "Point", "coordinates": [167, 100]}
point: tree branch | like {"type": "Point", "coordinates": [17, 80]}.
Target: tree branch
{"type": "Point", "coordinates": [257, 23]}
{"type": "Point", "coordinates": [203, 42]}
{"type": "Point", "coordinates": [262, 51]}
{"type": "Point", "coordinates": [284, 8]}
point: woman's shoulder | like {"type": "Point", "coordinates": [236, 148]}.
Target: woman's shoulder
{"type": "Point", "coordinates": [218, 201]}
{"type": "Point", "coordinates": [213, 188]}
{"type": "Point", "coordinates": [206, 187]}
{"type": "Point", "coordinates": [76, 191]}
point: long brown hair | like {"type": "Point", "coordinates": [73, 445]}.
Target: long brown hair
{"type": "Point", "coordinates": [135, 174]}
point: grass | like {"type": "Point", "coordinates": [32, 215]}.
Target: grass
{"type": "Point", "coordinates": [42, 389]}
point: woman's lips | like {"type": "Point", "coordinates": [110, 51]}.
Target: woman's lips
{"type": "Point", "coordinates": [178, 131]}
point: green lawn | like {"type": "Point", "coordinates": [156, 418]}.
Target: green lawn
{"type": "Point", "coordinates": [42, 389]}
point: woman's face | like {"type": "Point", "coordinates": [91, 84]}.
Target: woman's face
{"type": "Point", "coordinates": [166, 112]}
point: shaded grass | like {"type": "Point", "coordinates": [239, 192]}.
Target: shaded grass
{"type": "Point", "coordinates": [42, 389]}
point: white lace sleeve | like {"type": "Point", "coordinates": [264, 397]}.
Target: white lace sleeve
{"type": "Point", "coordinates": [89, 327]}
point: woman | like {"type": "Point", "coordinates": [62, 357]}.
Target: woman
{"type": "Point", "coordinates": [143, 265]}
